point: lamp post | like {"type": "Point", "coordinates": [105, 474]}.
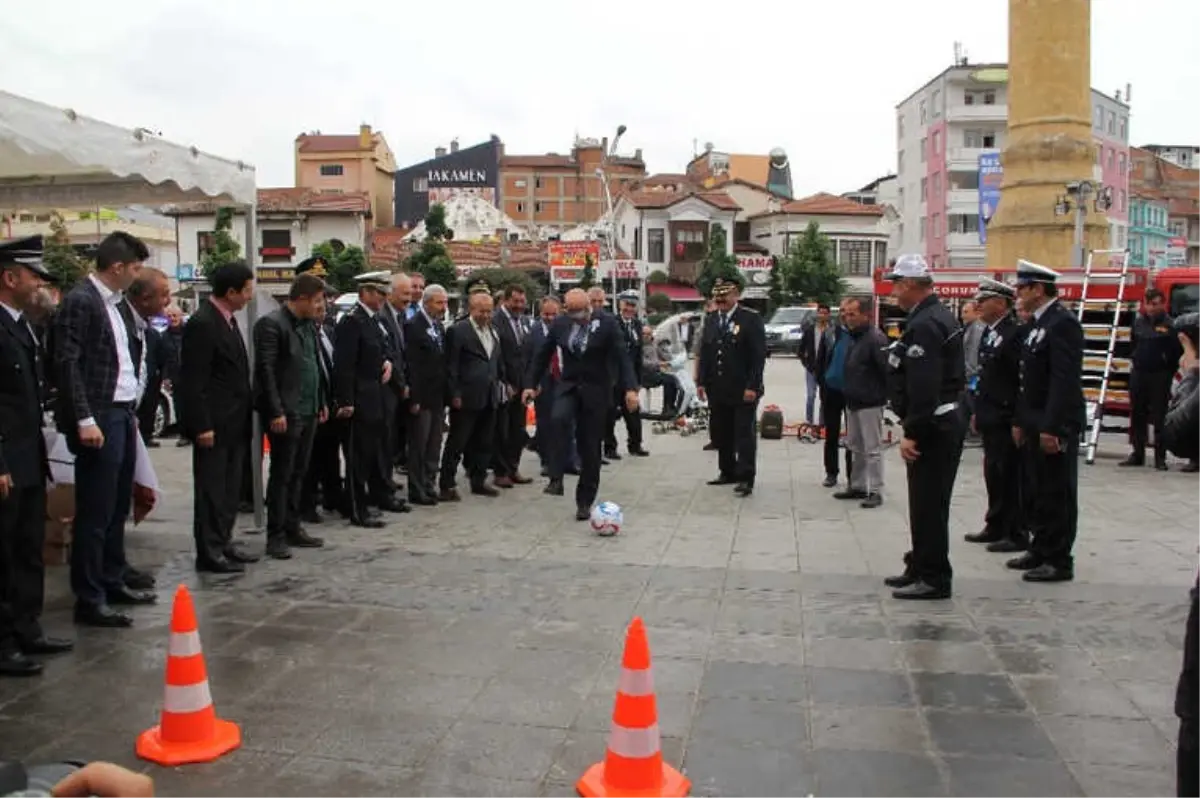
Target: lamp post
{"type": "Point", "coordinates": [611, 231]}
{"type": "Point", "coordinates": [1076, 198]}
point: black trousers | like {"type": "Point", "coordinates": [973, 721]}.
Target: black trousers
{"type": "Point", "coordinates": [147, 409]}
{"type": "Point", "coordinates": [216, 488]}
{"type": "Point", "coordinates": [424, 450]}
{"type": "Point", "coordinates": [323, 475]}
{"type": "Point", "coordinates": [1187, 708]}
{"type": "Point", "coordinates": [103, 494]}
{"type": "Point", "coordinates": [290, 453]}
{"type": "Point", "coordinates": [734, 434]}
{"type": "Point", "coordinates": [472, 436]}
{"type": "Point", "coordinates": [930, 487]}
{"type": "Point", "coordinates": [400, 434]}
{"type": "Point", "coordinates": [364, 486]}
{"type": "Point", "coordinates": [385, 470]}
{"type": "Point", "coordinates": [1055, 510]}
{"type": "Point", "coordinates": [1002, 477]}
{"type": "Point", "coordinates": [833, 410]}
{"type": "Point", "coordinates": [510, 438]}
{"type": "Point", "coordinates": [22, 571]}
{"type": "Point", "coordinates": [572, 412]}
{"type": "Point", "coordinates": [1149, 395]}
{"type": "Point", "coordinates": [633, 425]}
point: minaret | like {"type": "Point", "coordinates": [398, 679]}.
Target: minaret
{"type": "Point", "coordinates": [1049, 142]}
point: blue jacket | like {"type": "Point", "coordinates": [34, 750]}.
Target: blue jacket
{"type": "Point", "coordinates": [835, 372]}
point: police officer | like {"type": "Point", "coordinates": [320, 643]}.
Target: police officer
{"type": "Point", "coordinates": [733, 354]}
{"type": "Point", "coordinates": [1156, 352]}
{"type": "Point", "coordinates": [631, 330]}
{"type": "Point", "coordinates": [995, 406]}
{"type": "Point", "coordinates": [1050, 417]}
{"type": "Point", "coordinates": [928, 377]}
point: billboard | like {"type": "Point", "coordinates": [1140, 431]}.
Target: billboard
{"type": "Point", "coordinates": [1177, 251]}
{"type": "Point", "coordinates": [756, 272]}
{"type": "Point", "coordinates": [990, 173]}
{"type": "Point", "coordinates": [573, 253]}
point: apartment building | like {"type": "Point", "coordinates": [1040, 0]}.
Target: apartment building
{"type": "Point", "coordinates": [943, 129]}
{"type": "Point", "coordinates": [1184, 155]}
{"type": "Point", "coordinates": [86, 229]}
{"type": "Point", "coordinates": [1179, 189]}
{"type": "Point", "coordinates": [339, 164]}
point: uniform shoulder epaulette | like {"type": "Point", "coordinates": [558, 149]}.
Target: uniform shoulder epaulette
{"type": "Point", "coordinates": [750, 310]}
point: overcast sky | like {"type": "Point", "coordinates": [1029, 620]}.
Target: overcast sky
{"type": "Point", "coordinates": [241, 78]}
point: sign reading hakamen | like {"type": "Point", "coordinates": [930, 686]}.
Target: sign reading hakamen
{"type": "Point", "coordinates": [443, 176]}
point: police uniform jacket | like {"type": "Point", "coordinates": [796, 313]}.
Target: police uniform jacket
{"type": "Point", "coordinates": [359, 350]}
{"type": "Point", "coordinates": [733, 356]}
{"type": "Point", "coordinates": [999, 374]}
{"type": "Point", "coordinates": [1156, 348]}
{"type": "Point", "coordinates": [928, 368]}
{"type": "Point", "coordinates": [631, 331]}
{"type": "Point", "coordinates": [1051, 399]}
{"type": "Point", "coordinates": [22, 447]}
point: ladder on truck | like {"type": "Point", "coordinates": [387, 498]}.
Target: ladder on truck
{"type": "Point", "coordinates": [1103, 267]}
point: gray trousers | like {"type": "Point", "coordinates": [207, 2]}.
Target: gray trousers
{"type": "Point", "coordinates": [424, 451]}
{"type": "Point", "coordinates": [864, 433]}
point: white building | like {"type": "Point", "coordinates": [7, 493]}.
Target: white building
{"type": "Point", "coordinates": [1183, 155]}
{"type": "Point", "coordinates": [89, 228]}
{"type": "Point", "coordinates": [290, 222]}
{"type": "Point", "coordinates": [883, 192]}
{"type": "Point", "coordinates": [858, 233]}
{"type": "Point", "coordinates": [944, 127]}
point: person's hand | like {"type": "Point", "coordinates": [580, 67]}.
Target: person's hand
{"type": "Point", "coordinates": [1049, 443]}
{"type": "Point", "coordinates": [323, 416]}
{"type": "Point", "coordinates": [512, 390]}
{"type": "Point", "coordinates": [104, 780]}
{"type": "Point", "coordinates": [909, 450]}
{"type": "Point", "coordinates": [279, 425]}
{"type": "Point", "coordinates": [1018, 436]}
{"type": "Point", "coordinates": [91, 436]}
{"type": "Point", "coordinates": [166, 385]}
{"type": "Point", "coordinates": [406, 392]}
{"type": "Point", "coordinates": [205, 440]}
{"type": "Point", "coordinates": [631, 401]}
{"type": "Point", "coordinates": [6, 485]}
{"type": "Point", "coordinates": [456, 403]}
{"type": "Point", "coordinates": [528, 395]}
{"type": "Point", "coordinates": [703, 394]}
{"type": "Point", "coordinates": [414, 408]}
{"type": "Point", "coordinates": [749, 395]}
{"type": "Point", "coordinates": [387, 371]}
{"type": "Point", "coordinates": [345, 412]}
{"type": "Point", "coordinates": [1188, 360]}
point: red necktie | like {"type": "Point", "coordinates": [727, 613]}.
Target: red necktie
{"type": "Point", "coordinates": [555, 366]}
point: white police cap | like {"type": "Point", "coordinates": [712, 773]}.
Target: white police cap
{"type": "Point", "coordinates": [910, 266]}
{"type": "Point", "coordinates": [1029, 272]}
{"type": "Point", "coordinates": [989, 288]}
{"type": "Point", "coordinates": [380, 279]}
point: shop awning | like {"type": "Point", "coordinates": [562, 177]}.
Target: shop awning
{"type": "Point", "coordinates": [677, 293]}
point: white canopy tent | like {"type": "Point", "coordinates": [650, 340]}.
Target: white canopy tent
{"type": "Point", "coordinates": [55, 158]}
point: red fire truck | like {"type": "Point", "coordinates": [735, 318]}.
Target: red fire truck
{"type": "Point", "coordinates": [1181, 286]}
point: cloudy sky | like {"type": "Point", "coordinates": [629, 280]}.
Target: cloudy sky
{"type": "Point", "coordinates": [241, 78]}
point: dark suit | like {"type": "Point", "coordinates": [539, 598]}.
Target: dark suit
{"type": "Point", "coordinates": [88, 368]}
{"type": "Point", "coordinates": [995, 407]}
{"type": "Point", "coordinates": [397, 447]}
{"type": "Point", "coordinates": [323, 476]}
{"type": "Point", "coordinates": [426, 360]}
{"type": "Point", "coordinates": [359, 352]}
{"type": "Point", "coordinates": [23, 459]}
{"type": "Point", "coordinates": [159, 356]}
{"type": "Point", "coordinates": [510, 417]}
{"type": "Point", "coordinates": [285, 348]}
{"type": "Point", "coordinates": [216, 396]}
{"type": "Point", "coordinates": [592, 353]}
{"type": "Point", "coordinates": [473, 378]}
{"type": "Point", "coordinates": [1051, 401]}
{"type": "Point", "coordinates": [733, 354]}
{"type": "Point", "coordinates": [631, 335]}
{"type": "Point", "coordinates": [543, 404]}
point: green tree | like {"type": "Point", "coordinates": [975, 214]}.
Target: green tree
{"type": "Point", "coordinates": [809, 271]}
{"type": "Point", "coordinates": [775, 291]}
{"type": "Point", "coordinates": [717, 263]}
{"type": "Point", "coordinates": [497, 279]}
{"type": "Point", "coordinates": [60, 258]}
{"type": "Point", "coordinates": [342, 264]}
{"type": "Point", "coordinates": [657, 277]}
{"type": "Point", "coordinates": [431, 259]}
{"type": "Point", "coordinates": [658, 302]}
{"type": "Point", "coordinates": [588, 278]}
{"type": "Point", "coordinates": [225, 248]}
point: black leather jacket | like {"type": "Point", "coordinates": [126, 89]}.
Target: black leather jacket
{"type": "Point", "coordinates": [1181, 428]}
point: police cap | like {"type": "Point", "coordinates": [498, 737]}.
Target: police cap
{"type": "Point", "coordinates": [1029, 273]}
{"type": "Point", "coordinates": [25, 251]}
{"type": "Point", "coordinates": [315, 266]}
{"type": "Point", "coordinates": [990, 289]}
{"type": "Point", "coordinates": [910, 266]}
{"type": "Point", "coordinates": [380, 281]}
{"type": "Point", "coordinates": [722, 287]}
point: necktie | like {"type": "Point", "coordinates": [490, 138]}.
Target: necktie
{"type": "Point", "coordinates": [555, 365]}
{"type": "Point", "coordinates": [578, 337]}
{"type": "Point", "coordinates": [233, 325]}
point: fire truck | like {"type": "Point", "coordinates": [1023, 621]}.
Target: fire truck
{"type": "Point", "coordinates": [1180, 285]}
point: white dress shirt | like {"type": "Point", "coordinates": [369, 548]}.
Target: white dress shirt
{"type": "Point", "coordinates": [129, 378]}
{"type": "Point", "coordinates": [485, 337]}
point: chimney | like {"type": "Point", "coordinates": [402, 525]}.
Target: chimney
{"type": "Point", "coordinates": [1128, 92]}
{"type": "Point", "coordinates": [439, 152]}
{"type": "Point", "coordinates": [604, 145]}
{"type": "Point", "coordinates": [454, 145]}
{"type": "Point", "coordinates": [637, 154]}
{"type": "Point", "coordinates": [364, 136]}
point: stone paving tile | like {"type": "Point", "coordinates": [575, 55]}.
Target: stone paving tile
{"type": "Point", "coordinates": [475, 649]}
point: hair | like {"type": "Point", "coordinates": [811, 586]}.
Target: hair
{"type": "Point", "coordinates": [512, 289]}
{"type": "Point", "coordinates": [865, 304]}
{"type": "Point", "coordinates": [595, 290]}
{"type": "Point", "coordinates": [1189, 324]}
{"type": "Point", "coordinates": [822, 306]}
{"type": "Point", "coordinates": [120, 247]}
{"type": "Point", "coordinates": [306, 285]}
{"type": "Point", "coordinates": [431, 291]}
{"type": "Point", "coordinates": [229, 277]}
{"type": "Point", "coordinates": [400, 277]}
{"type": "Point", "coordinates": [548, 299]}
{"type": "Point", "coordinates": [1153, 295]}
{"type": "Point", "coordinates": [145, 281]}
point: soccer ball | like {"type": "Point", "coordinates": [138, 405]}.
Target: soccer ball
{"type": "Point", "coordinates": [607, 519]}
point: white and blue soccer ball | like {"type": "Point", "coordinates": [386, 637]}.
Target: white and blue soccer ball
{"type": "Point", "coordinates": [607, 519]}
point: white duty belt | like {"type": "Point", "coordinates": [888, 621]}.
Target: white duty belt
{"type": "Point", "coordinates": [942, 410]}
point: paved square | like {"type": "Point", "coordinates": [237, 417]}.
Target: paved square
{"type": "Point", "coordinates": [474, 649]}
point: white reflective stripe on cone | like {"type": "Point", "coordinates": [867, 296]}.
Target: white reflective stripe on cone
{"type": "Point", "coordinates": [184, 644]}
{"type": "Point", "coordinates": [636, 683]}
{"type": "Point", "coordinates": [189, 698]}
{"type": "Point", "coordinates": [634, 743]}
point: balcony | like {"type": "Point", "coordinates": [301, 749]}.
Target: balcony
{"type": "Point", "coordinates": [684, 271]}
{"type": "Point", "coordinates": [965, 158]}
{"type": "Point", "coordinates": [977, 113]}
{"type": "Point", "coordinates": [957, 242]}
{"type": "Point", "coordinates": [962, 200]}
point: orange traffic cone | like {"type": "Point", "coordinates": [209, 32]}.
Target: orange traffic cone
{"type": "Point", "coordinates": [633, 764]}
{"type": "Point", "coordinates": [266, 450]}
{"type": "Point", "coordinates": [190, 730]}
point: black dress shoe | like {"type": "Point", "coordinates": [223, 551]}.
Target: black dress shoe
{"type": "Point", "coordinates": [722, 480]}
{"type": "Point", "coordinates": [423, 501]}
{"type": "Point", "coordinates": [102, 616]}
{"type": "Point", "coordinates": [982, 536]}
{"type": "Point", "coordinates": [302, 540]}
{"type": "Point", "coordinates": [1007, 546]}
{"type": "Point", "coordinates": [604, 462]}
{"type": "Point", "coordinates": [311, 517]}
{"type": "Point", "coordinates": [582, 513]}
{"type": "Point", "coordinates": [1132, 460]}
{"type": "Point", "coordinates": [921, 591]}
{"type": "Point", "coordinates": [639, 452]}
{"type": "Point", "coordinates": [367, 523]}
{"type": "Point", "coordinates": [1026, 562]}
{"type": "Point", "coordinates": [573, 471]}
{"type": "Point", "coordinates": [1189, 468]}
{"type": "Point", "coordinates": [612, 454]}
{"type": "Point", "coordinates": [1048, 573]}
{"type": "Point", "coordinates": [278, 549]}
{"type": "Point", "coordinates": [850, 494]}
{"type": "Point", "coordinates": [47, 645]}
{"type": "Point", "coordinates": [138, 580]}
{"type": "Point", "coordinates": [553, 488]}
{"type": "Point", "coordinates": [871, 501]}
{"type": "Point", "coordinates": [829, 481]}
{"type": "Point", "coordinates": [235, 553]}
{"type": "Point", "coordinates": [743, 489]}
{"type": "Point", "coordinates": [152, 444]}
{"type": "Point", "coordinates": [124, 596]}
{"type": "Point", "coordinates": [1161, 465]}
{"type": "Point", "coordinates": [901, 580]}
{"type": "Point", "coordinates": [14, 663]}
{"type": "Point", "coordinates": [219, 565]}
{"type": "Point", "coordinates": [394, 506]}
{"type": "Point", "coordinates": [484, 490]}
{"type": "Point", "coordinates": [710, 447]}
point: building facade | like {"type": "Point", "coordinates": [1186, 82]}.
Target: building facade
{"type": "Point", "coordinates": [1184, 155]}
{"type": "Point", "coordinates": [1179, 189]}
{"type": "Point", "coordinates": [474, 170]}
{"type": "Point", "coordinates": [773, 171]}
{"type": "Point", "coordinates": [338, 164]}
{"type": "Point", "coordinates": [942, 131]}
{"type": "Point", "coordinates": [552, 193]}
{"type": "Point", "coordinates": [1149, 236]}
{"type": "Point", "coordinates": [86, 229]}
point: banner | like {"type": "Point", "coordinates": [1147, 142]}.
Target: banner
{"type": "Point", "coordinates": [573, 253]}
{"type": "Point", "coordinates": [990, 173]}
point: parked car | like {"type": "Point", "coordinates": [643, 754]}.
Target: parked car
{"type": "Point", "coordinates": [785, 327]}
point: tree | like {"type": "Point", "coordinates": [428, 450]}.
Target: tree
{"type": "Point", "coordinates": [59, 256]}
{"type": "Point", "coordinates": [657, 277]}
{"type": "Point", "coordinates": [497, 279]}
{"type": "Point", "coordinates": [775, 291]}
{"type": "Point", "coordinates": [588, 278]}
{"type": "Point", "coordinates": [225, 248]}
{"type": "Point", "coordinates": [658, 302]}
{"type": "Point", "coordinates": [717, 263]}
{"type": "Point", "coordinates": [431, 259]}
{"type": "Point", "coordinates": [809, 270]}
{"type": "Point", "coordinates": [343, 264]}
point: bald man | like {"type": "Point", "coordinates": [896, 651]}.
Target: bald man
{"type": "Point", "coordinates": [394, 314]}
{"type": "Point", "coordinates": [474, 373]}
{"type": "Point", "coordinates": [592, 350]}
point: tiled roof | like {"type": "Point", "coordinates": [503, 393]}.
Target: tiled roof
{"type": "Point", "coordinates": [322, 143]}
{"type": "Point", "coordinates": [824, 204]}
{"type": "Point", "coordinates": [536, 161]}
{"type": "Point", "coordinates": [1156, 177]}
{"type": "Point", "coordinates": [391, 252]}
{"type": "Point", "coordinates": [287, 200]}
{"type": "Point", "coordinates": [651, 198]}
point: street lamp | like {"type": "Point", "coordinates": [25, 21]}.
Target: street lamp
{"type": "Point", "coordinates": [1078, 192]}
{"type": "Point", "coordinates": [608, 244]}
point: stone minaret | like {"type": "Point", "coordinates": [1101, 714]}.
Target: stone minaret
{"type": "Point", "coordinates": [1049, 141]}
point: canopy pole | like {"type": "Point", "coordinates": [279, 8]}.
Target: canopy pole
{"type": "Point", "coordinates": [256, 445]}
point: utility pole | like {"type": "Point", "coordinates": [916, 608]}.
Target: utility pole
{"type": "Point", "coordinates": [1076, 198]}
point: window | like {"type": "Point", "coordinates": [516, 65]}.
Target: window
{"type": "Point", "coordinates": [937, 142]}
{"type": "Point", "coordinates": [924, 189]}
{"type": "Point", "coordinates": [880, 253]}
{"type": "Point", "coordinates": [937, 103]}
{"type": "Point", "coordinates": [420, 185]}
{"type": "Point", "coordinates": [741, 232]}
{"type": "Point", "coordinates": [519, 184]}
{"type": "Point", "coordinates": [937, 184]}
{"type": "Point", "coordinates": [331, 170]}
{"type": "Point", "coordinates": [980, 97]}
{"type": "Point", "coordinates": [1177, 228]}
{"type": "Point", "coordinates": [962, 223]}
{"type": "Point", "coordinates": [989, 97]}
{"type": "Point", "coordinates": [1112, 123]}
{"type": "Point", "coordinates": [921, 231]}
{"type": "Point", "coordinates": [537, 182]}
{"type": "Point", "coordinates": [1121, 200]}
{"type": "Point", "coordinates": [964, 181]}
{"type": "Point", "coordinates": [1098, 119]}
{"type": "Point", "coordinates": [1111, 158]}
{"type": "Point", "coordinates": [900, 162]}
{"type": "Point", "coordinates": [637, 243]}
{"type": "Point", "coordinates": [937, 225]}
{"type": "Point", "coordinates": [923, 150]}
{"type": "Point", "coordinates": [854, 256]}
{"type": "Point", "coordinates": [1124, 129]}
{"type": "Point", "coordinates": [968, 98]}
{"type": "Point", "coordinates": [277, 239]}
{"type": "Point", "coordinates": [205, 243]}
{"type": "Point", "coordinates": [655, 245]}
{"type": "Point", "coordinates": [537, 207]}
{"type": "Point", "coordinates": [1121, 163]}
{"type": "Point", "coordinates": [520, 207]}
{"type": "Point", "coordinates": [25, 217]}
{"type": "Point", "coordinates": [900, 126]}
{"type": "Point", "coordinates": [923, 112]}
{"type": "Point", "coordinates": [979, 139]}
